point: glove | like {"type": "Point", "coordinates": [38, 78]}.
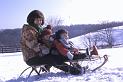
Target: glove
{"type": "Point", "coordinates": [70, 56]}
{"type": "Point", "coordinates": [45, 50]}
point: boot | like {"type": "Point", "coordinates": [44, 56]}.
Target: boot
{"type": "Point", "coordinates": [75, 64]}
{"type": "Point", "coordinates": [94, 51]}
{"type": "Point", "coordinates": [74, 71]}
{"type": "Point", "coordinates": [80, 68]}
{"type": "Point", "coordinates": [69, 69]}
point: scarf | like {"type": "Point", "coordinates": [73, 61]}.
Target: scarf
{"type": "Point", "coordinates": [38, 28]}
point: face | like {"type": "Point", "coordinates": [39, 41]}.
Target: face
{"type": "Point", "coordinates": [46, 37]}
{"type": "Point", "coordinates": [65, 35]}
{"type": "Point", "coordinates": [38, 21]}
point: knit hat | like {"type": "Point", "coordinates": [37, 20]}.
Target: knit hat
{"type": "Point", "coordinates": [48, 27]}
{"type": "Point", "coordinates": [46, 32]}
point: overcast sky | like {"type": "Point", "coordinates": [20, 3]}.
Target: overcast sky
{"type": "Point", "coordinates": [13, 13]}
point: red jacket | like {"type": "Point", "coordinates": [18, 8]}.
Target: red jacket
{"type": "Point", "coordinates": [62, 50]}
{"type": "Point", "coordinates": [60, 47]}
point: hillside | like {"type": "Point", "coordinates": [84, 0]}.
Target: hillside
{"type": "Point", "coordinates": [11, 37]}
{"type": "Point", "coordinates": [90, 39]}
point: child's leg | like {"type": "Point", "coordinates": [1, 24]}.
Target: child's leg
{"type": "Point", "coordinates": [79, 56]}
{"type": "Point", "coordinates": [87, 54]}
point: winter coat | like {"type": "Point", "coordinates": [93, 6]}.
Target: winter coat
{"type": "Point", "coordinates": [29, 43]}
{"type": "Point", "coordinates": [64, 49]}
{"type": "Point", "coordinates": [60, 47]}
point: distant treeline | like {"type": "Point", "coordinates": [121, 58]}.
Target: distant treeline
{"type": "Point", "coordinates": [11, 37]}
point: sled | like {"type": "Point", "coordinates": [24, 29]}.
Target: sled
{"type": "Point", "coordinates": [41, 67]}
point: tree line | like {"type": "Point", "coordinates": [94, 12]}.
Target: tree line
{"type": "Point", "coordinates": [11, 37]}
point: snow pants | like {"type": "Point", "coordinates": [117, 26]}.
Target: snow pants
{"type": "Point", "coordinates": [57, 61]}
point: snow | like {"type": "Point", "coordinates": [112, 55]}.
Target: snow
{"type": "Point", "coordinates": [12, 64]}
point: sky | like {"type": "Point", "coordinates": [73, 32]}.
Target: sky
{"type": "Point", "coordinates": [14, 12]}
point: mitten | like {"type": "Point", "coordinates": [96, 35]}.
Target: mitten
{"type": "Point", "coordinates": [70, 56]}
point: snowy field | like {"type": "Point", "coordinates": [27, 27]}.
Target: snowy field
{"type": "Point", "coordinates": [11, 65]}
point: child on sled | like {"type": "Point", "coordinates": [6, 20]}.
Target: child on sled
{"type": "Point", "coordinates": [67, 52]}
{"type": "Point", "coordinates": [48, 48]}
{"type": "Point", "coordinates": [67, 49]}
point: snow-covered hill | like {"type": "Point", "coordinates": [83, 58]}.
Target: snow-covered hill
{"type": "Point", "coordinates": [81, 41]}
{"type": "Point", "coordinates": [11, 65]}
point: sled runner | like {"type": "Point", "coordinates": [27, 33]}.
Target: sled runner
{"type": "Point", "coordinates": [34, 68]}
{"type": "Point", "coordinates": [87, 68]}
{"type": "Point", "coordinates": [91, 58]}
{"type": "Point", "coordinates": [105, 60]}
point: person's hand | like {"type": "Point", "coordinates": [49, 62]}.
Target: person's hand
{"type": "Point", "coordinates": [45, 50]}
{"type": "Point", "coordinates": [70, 56]}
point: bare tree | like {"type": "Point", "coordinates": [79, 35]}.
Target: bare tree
{"type": "Point", "coordinates": [106, 36]}
{"type": "Point", "coordinates": [92, 39]}
{"type": "Point", "coordinates": [88, 40]}
{"type": "Point", "coordinates": [54, 21]}
{"type": "Point", "coordinates": [101, 38]}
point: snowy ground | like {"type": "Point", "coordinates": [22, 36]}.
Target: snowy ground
{"type": "Point", "coordinates": [11, 65]}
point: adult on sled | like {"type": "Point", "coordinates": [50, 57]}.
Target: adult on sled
{"type": "Point", "coordinates": [34, 52]}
